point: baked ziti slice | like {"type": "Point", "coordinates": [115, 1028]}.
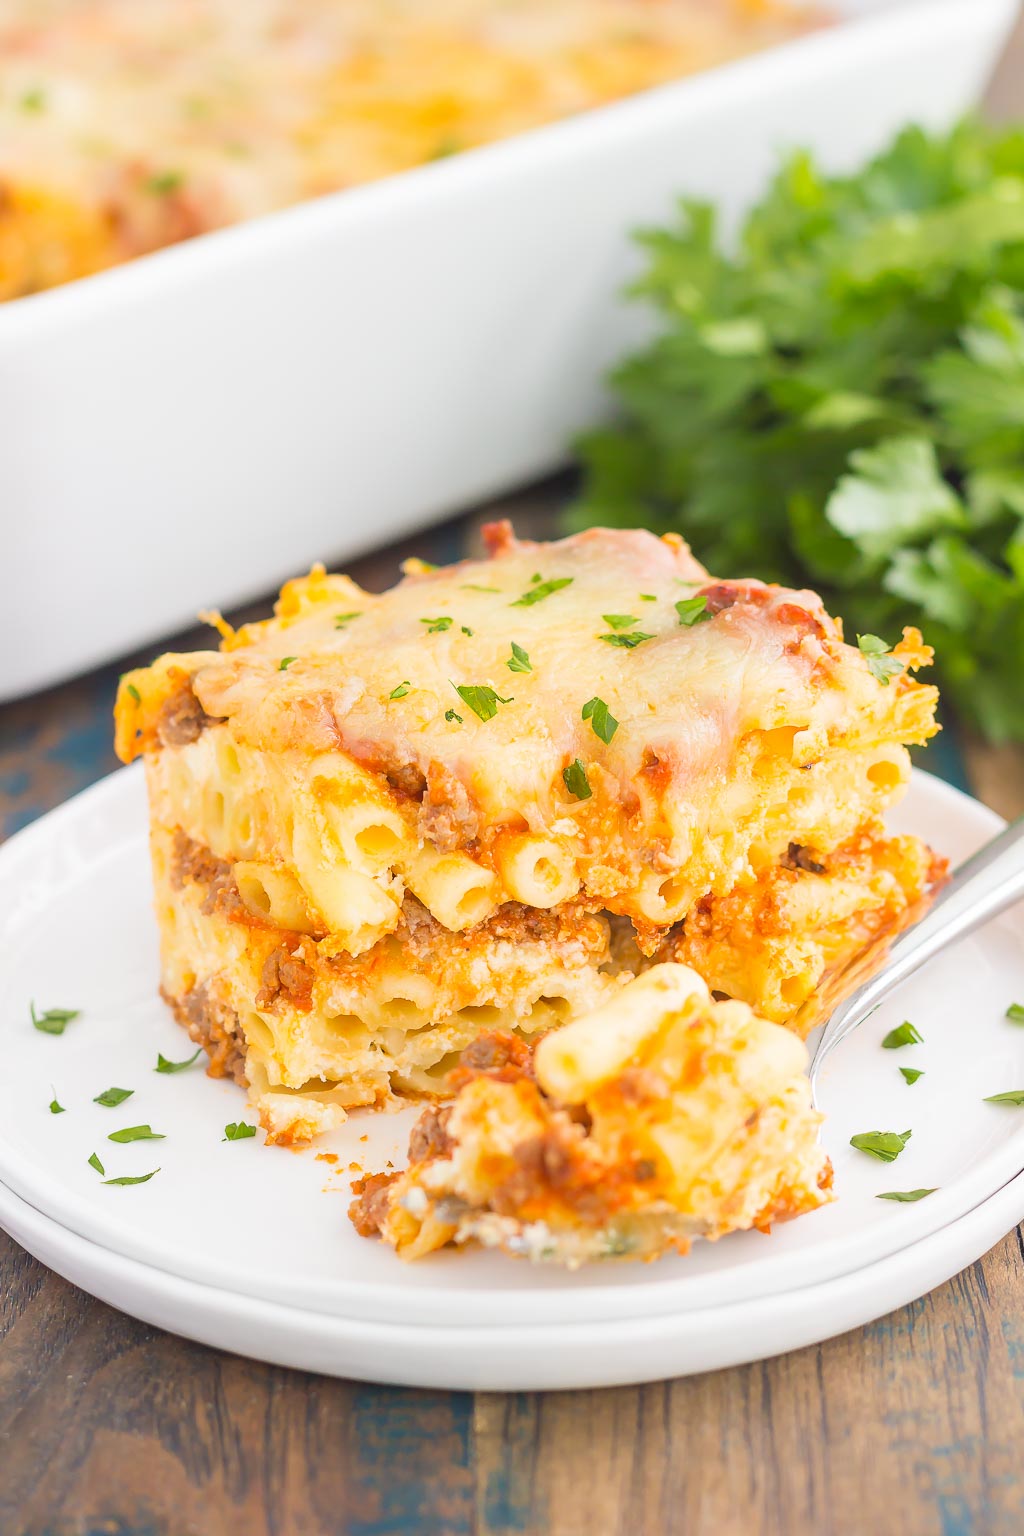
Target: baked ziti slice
{"type": "Point", "coordinates": [661, 1117]}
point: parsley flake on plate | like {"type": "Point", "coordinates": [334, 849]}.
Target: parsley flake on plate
{"type": "Point", "coordinates": [55, 1108]}
{"type": "Point", "coordinates": [1011, 1096]}
{"type": "Point", "coordinates": [163, 1065]}
{"type": "Point", "coordinates": [137, 1178]}
{"type": "Point", "coordinates": [903, 1034]}
{"type": "Point", "coordinates": [603, 722]}
{"type": "Point", "coordinates": [885, 1145]}
{"type": "Point", "coordinates": [54, 1021]}
{"type": "Point", "coordinates": [94, 1162]}
{"type": "Point", "coordinates": [905, 1196]}
{"type": "Point", "coordinates": [110, 1098]}
{"type": "Point", "coordinates": [482, 700]}
{"type": "Point", "coordinates": [1015, 1013]}
{"type": "Point", "coordinates": [238, 1130]}
{"type": "Point", "coordinates": [692, 610]}
{"type": "Point", "coordinates": [541, 590]}
{"type": "Point", "coordinates": [136, 1133]}
{"type": "Point", "coordinates": [519, 661]}
{"type": "Point", "coordinates": [576, 781]}
{"type": "Point", "coordinates": [911, 1074]}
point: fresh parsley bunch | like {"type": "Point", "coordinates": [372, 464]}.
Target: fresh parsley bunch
{"type": "Point", "coordinates": [841, 401]}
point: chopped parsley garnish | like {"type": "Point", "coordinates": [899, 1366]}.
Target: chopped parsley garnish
{"type": "Point", "coordinates": [905, 1196]}
{"type": "Point", "coordinates": [648, 597]}
{"type": "Point", "coordinates": [450, 715]}
{"type": "Point", "coordinates": [911, 1074]}
{"type": "Point", "coordinates": [576, 781]}
{"type": "Point", "coordinates": [401, 691]}
{"type": "Point", "coordinates": [94, 1162]}
{"type": "Point", "coordinates": [136, 1133]}
{"type": "Point", "coordinates": [54, 1020]}
{"type": "Point", "coordinates": [519, 661]}
{"type": "Point", "coordinates": [163, 1065]}
{"type": "Point", "coordinates": [885, 1145]}
{"type": "Point", "coordinates": [138, 1178]}
{"type": "Point", "coordinates": [620, 620]}
{"type": "Point", "coordinates": [1012, 1096]}
{"type": "Point", "coordinates": [471, 586]}
{"type": "Point", "coordinates": [163, 183]}
{"type": "Point", "coordinates": [903, 1034]}
{"type": "Point", "coordinates": [466, 630]}
{"type": "Point", "coordinates": [882, 666]}
{"type": "Point", "coordinates": [541, 590]}
{"type": "Point", "coordinates": [693, 610]}
{"type": "Point", "coordinates": [285, 663]}
{"type": "Point", "coordinates": [601, 719]}
{"type": "Point", "coordinates": [634, 637]}
{"type": "Point", "coordinates": [439, 625]}
{"type": "Point", "coordinates": [238, 1130]}
{"type": "Point", "coordinates": [1015, 1013]}
{"type": "Point", "coordinates": [341, 619]}
{"type": "Point", "coordinates": [134, 692]}
{"type": "Point", "coordinates": [55, 1108]}
{"type": "Point", "coordinates": [483, 701]}
{"type": "Point", "coordinates": [33, 101]}
{"type": "Point", "coordinates": [110, 1098]}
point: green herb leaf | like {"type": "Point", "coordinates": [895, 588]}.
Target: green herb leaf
{"type": "Point", "coordinates": [905, 1196]}
{"type": "Point", "coordinates": [286, 662]}
{"type": "Point", "coordinates": [33, 101]}
{"type": "Point", "coordinates": [620, 620]}
{"type": "Point", "coordinates": [886, 1145]}
{"type": "Point", "coordinates": [1012, 1096]}
{"type": "Point", "coordinates": [881, 665]}
{"type": "Point", "coordinates": [648, 597]}
{"type": "Point", "coordinates": [134, 693]}
{"type": "Point", "coordinates": [450, 715]}
{"type": "Point", "coordinates": [163, 1065]}
{"type": "Point", "coordinates": [94, 1162]}
{"type": "Point", "coordinates": [471, 586]}
{"type": "Point", "coordinates": [576, 781]}
{"type": "Point", "coordinates": [138, 1178]}
{"type": "Point", "coordinates": [238, 1130]}
{"type": "Point", "coordinates": [519, 661]}
{"type": "Point", "coordinates": [541, 590]}
{"type": "Point", "coordinates": [903, 1034]}
{"type": "Point", "coordinates": [467, 631]}
{"type": "Point", "coordinates": [401, 691]}
{"type": "Point", "coordinates": [136, 1133]}
{"type": "Point", "coordinates": [627, 641]}
{"type": "Point", "coordinates": [483, 701]}
{"type": "Point", "coordinates": [54, 1021]}
{"type": "Point", "coordinates": [341, 619]}
{"type": "Point", "coordinates": [1015, 1013]}
{"type": "Point", "coordinates": [911, 1074]}
{"type": "Point", "coordinates": [439, 625]}
{"type": "Point", "coordinates": [55, 1108]}
{"type": "Point", "coordinates": [602, 721]}
{"type": "Point", "coordinates": [693, 610]}
{"type": "Point", "coordinates": [110, 1098]}
{"type": "Point", "coordinates": [163, 183]}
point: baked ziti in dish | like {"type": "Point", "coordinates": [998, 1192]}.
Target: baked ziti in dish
{"type": "Point", "coordinates": [128, 125]}
{"type": "Point", "coordinates": [386, 826]}
{"type": "Point", "coordinates": [661, 1117]}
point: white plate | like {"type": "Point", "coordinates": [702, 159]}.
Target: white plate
{"type": "Point", "coordinates": [528, 1359]}
{"type": "Point", "coordinates": [308, 385]}
{"type": "Point", "coordinates": [76, 931]}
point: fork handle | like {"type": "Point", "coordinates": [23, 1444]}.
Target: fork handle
{"type": "Point", "coordinates": [985, 885]}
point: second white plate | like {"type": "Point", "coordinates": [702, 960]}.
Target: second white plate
{"type": "Point", "coordinates": [76, 931]}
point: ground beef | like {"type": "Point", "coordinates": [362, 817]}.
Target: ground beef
{"type": "Point", "coordinates": [285, 975]}
{"type": "Point", "coordinates": [447, 817]}
{"type": "Point", "coordinates": [368, 1211]}
{"type": "Point", "coordinates": [214, 1026]}
{"type": "Point", "coordinates": [182, 719]}
{"type": "Point", "coordinates": [429, 1138]}
{"type": "Point", "coordinates": [503, 1056]}
{"type": "Point", "coordinates": [799, 857]}
{"type": "Point", "coordinates": [192, 862]}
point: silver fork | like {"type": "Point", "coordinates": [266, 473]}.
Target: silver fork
{"type": "Point", "coordinates": [990, 881]}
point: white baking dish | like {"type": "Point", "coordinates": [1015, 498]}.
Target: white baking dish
{"type": "Point", "coordinates": [184, 431]}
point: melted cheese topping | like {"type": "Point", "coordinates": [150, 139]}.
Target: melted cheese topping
{"type": "Point", "coordinates": [126, 125]}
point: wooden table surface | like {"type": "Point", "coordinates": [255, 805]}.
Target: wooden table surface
{"type": "Point", "coordinates": [913, 1425]}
